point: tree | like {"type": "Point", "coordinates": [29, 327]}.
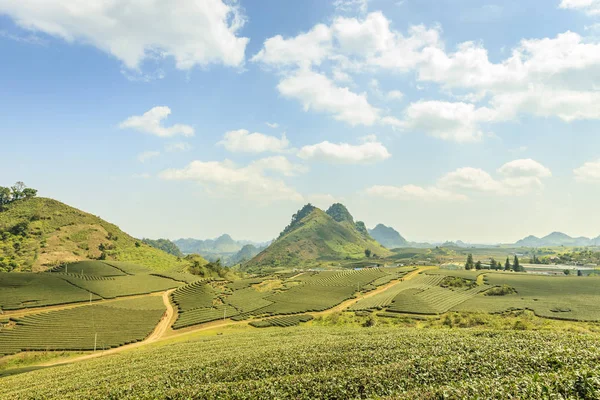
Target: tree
{"type": "Point", "coordinates": [507, 265]}
{"type": "Point", "coordinates": [367, 253]}
{"type": "Point", "coordinates": [493, 264]}
{"type": "Point", "coordinates": [478, 265]}
{"type": "Point", "coordinates": [567, 271]}
{"type": "Point", "coordinates": [29, 193]}
{"type": "Point", "coordinates": [579, 273]}
{"type": "Point", "coordinates": [516, 266]}
{"type": "Point", "coordinates": [5, 196]}
{"type": "Point", "coordinates": [469, 264]}
{"type": "Point", "coordinates": [17, 190]}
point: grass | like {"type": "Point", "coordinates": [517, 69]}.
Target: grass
{"type": "Point", "coordinates": [25, 290]}
{"type": "Point", "coordinates": [343, 362]}
{"type": "Point", "coordinates": [110, 325]}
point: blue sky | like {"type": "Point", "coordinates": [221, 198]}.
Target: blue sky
{"type": "Point", "coordinates": [444, 119]}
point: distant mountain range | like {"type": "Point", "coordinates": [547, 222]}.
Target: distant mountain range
{"type": "Point", "coordinates": [225, 248]}
{"type": "Point", "coordinates": [557, 239]}
{"type": "Point", "coordinates": [315, 236]}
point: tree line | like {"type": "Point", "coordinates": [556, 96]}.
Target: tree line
{"type": "Point", "coordinates": [495, 265]}
{"type": "Point", "coordinates": [16, 192]}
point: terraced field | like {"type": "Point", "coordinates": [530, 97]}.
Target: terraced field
{"type": "Point", "coordinates": [89, 268]}
{"type": "Point", "coordinates": [25, 290]}
{"type": "Point", "coordinates": [432, 300]}
{"type": "Point", "coordinates": [570, 298]}
{"type": "Point", "coordinates": [343, 363]}
{"type": "Point", "coordinates": [195, 295]}
{"type": "Point", "coordinates": [110, 325]}
{"type": "Point", "coordinates": [202, 315]}
{"type": "Point", "coordinates": [282, 322]}
{"type": "Point", "coordinates": [123, 285]}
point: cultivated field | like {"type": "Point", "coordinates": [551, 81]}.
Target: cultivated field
{"type": "Point", "coordinates": [325, 363]}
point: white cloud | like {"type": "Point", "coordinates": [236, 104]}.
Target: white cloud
{"type": "Point", "coordinates": [591, 7]}
{"type": "Point", "coordinates": [471, 179]}
{"type": "Point", "coordinates": [588, 172]}
{"type": "Point", "coordinates": [147, 155]}
{"type": "Point", "coordinates": [306, 48]}
{"type": "Point", "coordinates": [395, 95]}
{"type": "Point", "coordinates": [316, 92]}
{"type": "Point", "coordinates": [273, 125]}
{"type": "Point", "coordinates": [343, 153]}
{"type": "Point", "coordinates": [151, 122]}
{"type": "Point", "coordinates": [449, 121]}
{"type": "Point", "coordinates": [243, 141]}
{"type": "Point", "coordinates": [524, 167]}
{"type": "Point", "coordinates": [226, 179]}
{"type": "Point", "coordinates": [519, 177]}
{"type": "Point", "coordinates": [413, 192]}
{"type": "Point", "coordinates": [178, 146]}
{"type": "Point", "coordinates": [191, 32]}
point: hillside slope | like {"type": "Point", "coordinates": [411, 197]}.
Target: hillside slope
{"type": "Point", "coordinates": [556, 239]}
{"type": "Point", "coordinates": [39, 233]}
{"type": "Point", "coordinates": [313, 237]}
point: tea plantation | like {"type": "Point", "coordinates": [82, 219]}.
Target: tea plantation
{"type": "Point", "coordinates": [108, 325]}
{"type": "Point", "coordinates": [326, 363]}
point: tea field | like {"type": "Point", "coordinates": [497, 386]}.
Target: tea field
{"type": "Point", "coordinates": [108, 325]}
{"type": "Point", "coordinates": [333, 363]}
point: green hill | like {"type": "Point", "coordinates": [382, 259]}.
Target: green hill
{"type": "Point", "coordinates": [316, 237]}
{"type": "Point", "coordinates": [39, 233]}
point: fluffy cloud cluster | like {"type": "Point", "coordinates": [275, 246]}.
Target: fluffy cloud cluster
{"type": "Point", "coordinates": [547, 77]}
{"type": "Point", "coordinates": [225, 178]}
{"type": "Point", "coordinates": [242, 140]}
{"type": "Point", "coordinates": [517, 177]}
{"type": "Point", "coordinates": [191, 32]}
{"type": "Point", "coordinates": [343, 153]}
{"type": "Point", "coordinates": [151, 122]}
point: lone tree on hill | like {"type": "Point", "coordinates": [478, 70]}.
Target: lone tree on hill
{"type": "Point", "coordinates": [478, 265]}
{"type": "Point", "coordinates": [507, 265]}
{"type": "Point", "coordinates": [469, 264]}
{"type": "Point", "coordinates": [367, 253]}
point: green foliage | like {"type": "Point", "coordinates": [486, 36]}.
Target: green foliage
{"type": "Point", "coordinates": [469, 264]}
{"type": "Point", "coordinates": [112, 324]}
{"type": "Point", "coordinates": [367, 253]}
{"type": "Point", "coordinates": [94, 268]}
{"type": "Point", "coordinates": [341, 363]}
{"type": "Point", "coordinates": [165, 245]}
{"type": "Point", "coordinates": [500, 291]}
{"type": "Point", "coordinates": [340, 213]}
